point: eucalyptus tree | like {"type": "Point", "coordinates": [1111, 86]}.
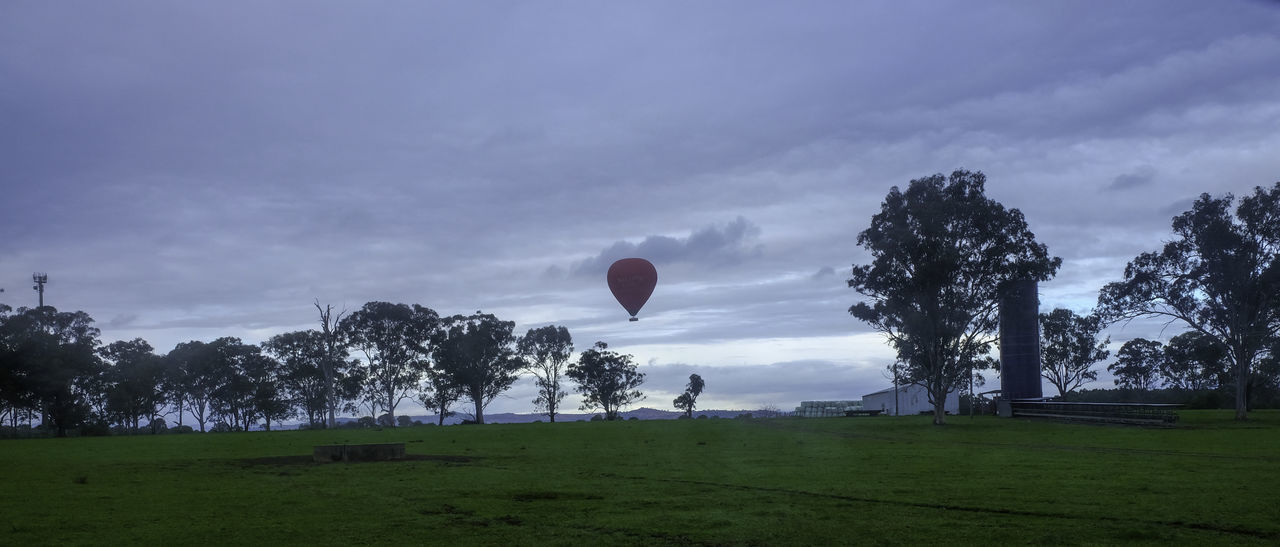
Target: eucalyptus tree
{"type": "Point", "coordinates": [477, 354]}
{"type": "Point", "coordinates": [304, 356]}
{"type": "Point", "coordinates": [546, 351]}
{"type": "Point", "coordinates": [335, 354]}
{"type": "Point", "coordinates": [1193, 361]}
{"type": "Point", "coordinates": [133, 379]}
{"type": "Point", "coordinates": [1138, 364]}
{"type": "Point", "coordinates": [238, 370]}
{"type": "Point", "coordinates": [438, 394]}
{"type": "Point", "coordinates": [688, 400]}
{"type": "Point", "coordinates": [940, 251]}
{"type": "Point", "coordinates": [1220, 276]}
{"type": "Point", "coordinates": [395, 341]}
{"type": "Point", "coordinates": [1069, 347]}
{"type": "Point", "coordinates": [606, 380]}
{"type": "Point", "coordinates": [191, 377]}
{"type": "Point", "coordinates": [51, 359]}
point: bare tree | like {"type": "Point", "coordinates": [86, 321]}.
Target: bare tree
{"type": "Point", "coordinates": [334, 350]}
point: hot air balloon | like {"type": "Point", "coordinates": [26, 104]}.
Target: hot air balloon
{"type": "Point", "coordinates": [632, 281]}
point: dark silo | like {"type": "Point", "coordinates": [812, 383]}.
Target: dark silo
{"type": "Point", "coordinates": [1020, 340]}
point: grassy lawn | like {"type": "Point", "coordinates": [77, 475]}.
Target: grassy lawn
{"type": "Point", "coordinates": [787, 481]}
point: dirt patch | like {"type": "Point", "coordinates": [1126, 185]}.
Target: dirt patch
{"type": "Point", "coordinates": [545, 495]}
{"type": "Point", "coordinates": [310, 461]}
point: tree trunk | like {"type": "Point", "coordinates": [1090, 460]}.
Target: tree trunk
{"type": "Point", "coordinates": [940, 412]}
{"type": "Point", "coordinates": [1242, 391]}
{"type": "Point", "coordinates": [1242, 361]}
{"type": "Point", "coordinates": [476, 395]}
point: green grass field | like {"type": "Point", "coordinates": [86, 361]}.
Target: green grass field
{"type": "Point", "coordinates": [787, 481]}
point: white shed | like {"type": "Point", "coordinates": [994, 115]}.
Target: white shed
{"type": "Point", "coordinates": [912, 399]}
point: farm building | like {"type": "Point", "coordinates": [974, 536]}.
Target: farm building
{"type": "Point", "coordinates": [912, 399]}
{"type": "Point", "coordinates": [823, 409]}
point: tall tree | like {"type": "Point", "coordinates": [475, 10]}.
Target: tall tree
{"type": "Point", "coordinates": [688, 400]}
{"type": "Point", "coordinates": [192, 377]}
{"type": "Point", "coordinates": [607, 380]}
{"type": "Point", "coordinates": [939, 252]}
{"type": "Point", "coordinates": [53, 355]}
{"type": "Point", "coordinates": [302, 354]}
{"type": "Point", "coordinates": [307, 370]}
{"type": "Point", "coordinates": [1138, 364]}
{"type": "Point", "coordinates": [335, 347]}
{"type": "Point", "coordinates": [237, 372]}
{"type": "Point", "coordinates": [394, 340]}
{"type": "Point", "coordinates": [1069, 348]}
{"type": "Point", "coordinates": [1194, 361]}
{"type": "Point", "coordinates": [134, 376]}
{"type": "Point", "coordinates": [439, 393]}
{"type": "Point", "coordinates": [546, 351]}
{"type": "Point", "coordinates": [1220, 276]}
{"type": "Point", "coordinates": [477, 353]}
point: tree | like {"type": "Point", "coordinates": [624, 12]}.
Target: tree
{"type": "Point", "coordinates": [607, 380]}
{"type": "Point", "coordinates": [689, 399]}
{"type": "Point", "coordinates": [393, 339]}
{"type": "Point", "coordinates": [1220, 276]}
{"type": "Point", "coordinates": [308, 370]}
{"type": "Point", "coordinates": [476, 353]}
{"type": "Point", "coordinates": [303, 354]}
{"type": "Point", "coordinates": [940, 250]}
{"type": "Point", "coordinates": [236, 372]}
{"type": "Point", "coordinates": [192, 378]}
{"type": "Point", "coordinates": [51, 357]}
{"type": "Point", "coordinates": [1069, 348]}
{"type": "Point", "coordinates": [335, 349]}
{"type": "Point", "coordinates": [439, 393]}
{"type": "Point", "coordinates": [1193, 361]}
{"type": "Point", "coordinates": [1137, 364]}
{"type": "Point", "coordinates": [132, 382]}
{"type": "Point", "coordinates": [546, 350]}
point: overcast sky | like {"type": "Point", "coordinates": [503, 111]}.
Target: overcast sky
{"type": "Point", "coordinates": [194, 170]}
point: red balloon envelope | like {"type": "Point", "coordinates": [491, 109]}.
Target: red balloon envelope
{"type": "Point", "coordinates": [632, 281]}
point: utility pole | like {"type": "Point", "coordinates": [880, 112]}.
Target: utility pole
{"type": "Point", "coordinates": [40, 278]}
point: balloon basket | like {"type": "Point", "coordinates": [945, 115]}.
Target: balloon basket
{"type": "Point", "coordinates": [633, 319]}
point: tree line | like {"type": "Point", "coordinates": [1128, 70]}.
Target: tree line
{"type": "Point", "coordinates": [368, 362]}
{"type": "Point", "coordinates": [941, 251]}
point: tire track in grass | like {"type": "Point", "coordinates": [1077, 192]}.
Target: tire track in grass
{"type": "Point", "coordinates": [1249, 532]}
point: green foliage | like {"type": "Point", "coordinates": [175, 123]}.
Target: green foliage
{"type": "Point", "coordinates": [48, 361]}
{"type": "Point", "coordinates": [1220, 276]}
{"type": "Point", "coordinates": [1137, 364]}
{"type": "Point", "coordinates": [1194, 361]}
{"type": "Point", "coordinates": [546, 351]}
{"type": "Point", "coordinates": [940, 251]}
{"type": "Point", "coordinates": [394, 340]}
{"type": "Point", "coordinates": [1069, 348]}
{"type": "Point", "coordinates": [477, 354]}
{"type": "Point", "coordinates": [607, 380]}
{"type": "Point", "coordinates": [688, 400]}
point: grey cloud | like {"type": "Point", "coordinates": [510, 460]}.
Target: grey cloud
{"type": "Point", "coordinates": [715, 245]}
{"type": "Point", "coordinates": [1142, 176]}
{"type": "Point", "coordinates": [824, 272]}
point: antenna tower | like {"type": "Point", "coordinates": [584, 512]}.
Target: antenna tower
{"type": "Point", "coordinates": [40, 278]}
